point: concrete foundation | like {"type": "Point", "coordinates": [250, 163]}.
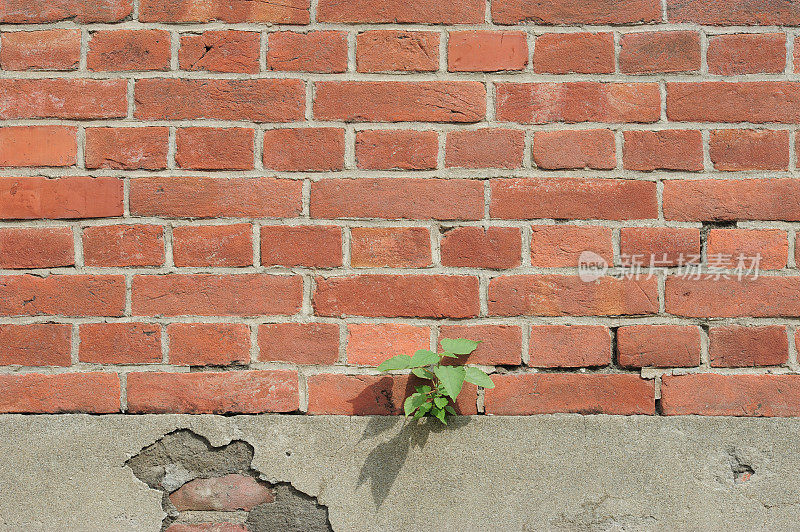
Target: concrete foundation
{"type": "Point", "coordinates": [560, 472]}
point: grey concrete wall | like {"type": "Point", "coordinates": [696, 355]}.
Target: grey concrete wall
{"type": "Point", "coordinates": [560, 472]}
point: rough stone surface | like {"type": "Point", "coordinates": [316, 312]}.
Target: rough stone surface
{"type": "Point", "coordinates": [552, 472]}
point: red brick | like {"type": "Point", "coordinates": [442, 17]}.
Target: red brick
{"type": "Point", "coordinates": [38, 146]}
{"type": "Point", "coordinates": [213, 245]}
{"type": "Point", "coordinates": [659, 246]}
{"type": "Point", "coordinates": [575, 198]}
{"type": "Point", "coordinates": [397, 50]}
{"type": "Point", "coordinates": [227, 493]}
{"type": "Point", "coordinates": [400, 101]}
{"type": "Point", "coordinates": [500, 344]}
{"type": "Point", "coordinates": [734, 149]}
{"type": "Point", "coordinates": [560, 246]}
{"type": "Point", "coordinates": [95, 393]}
{"type": "Point", "coordinates": [312, 246]}
{"type": "Point", "coordinates": [556, 150]}
{"type": "Point", "coordinates": [216, 295]}
{"type": "Point", "coordinates": [569, 346]}
{"type": "Point", "coordinates": [618, 394]}
{"type": "Point", "coordinates": [396, 198]}
{"type": "Point", "coordinates": [36, 344]}
{"type": "Point", "coordinates": [412, 296]}
{"type": "Point", "coordinates": [372, 395]}
{"type": "Point", "coordinates": [575, 11]}
{"type": "Point", "coordinates": [311, 149]}
{"type": "Point", "coordinates": [121, 50]}
{"type": "Point", "coordinates": [582, 53]}
{"type": "Point", "coordinates": [736, 346]}
{"type": "Point", "coordinates": [65, 197]}
{"type": "Point", "coordinates": [389, 149]}
{"type": "Point", "coordinates": [659, 51]}
{"type": "Point", "coordinates": [316, 51]}
{"type": "Point", "coordinates": [123, 245]}
{"type": "Point", "coordinates": [240, 392]}
{"type": "Point", "coordinates": [728, 246]}
{"type": "Point", "coordinates": [80, 11]}
{"type": "Point", "coordinates": [209, 197]}
{"type": "Point", "coordinates": [120, 343]}
{"type": "Point", "coordinates": [577, 101]}
{"type": "Point", "coordinates": [732, 199]}
{"type": "Point", "coordinates": [230, 11]}
{"type": "Point", "coordinates": [299, 343]}
{"type": "Point", "coordinates": [211, 148]}
{"type": "Point", "coordinates": [70, 98]}
{"type": "Point", "coordinates": [723, 101]}
{"type": "Point", "coordinates": [485, 148]}
{"type": "Point", "coordinates": [41, 50]}
{"type": "Point", "coordinates": [660, 346]}
{"type": "Point", "coordinates": [486, 51]}
{"type": "Point", "coordinates": [710, 297]}
{"type": "Point", "coordinates": [257, 100]}
{"type": "Point", "coordinates": [765, 13]}
{"type": "Point", "coordinates": [755, 53]}
{"type": "Point", "coordinates": [396, 247]}
{"type": "Point", "coordinates": [62, 295]}
{"type": "Point", "coordinates": [669, 149]}
{"type": "Point", "coordinates": [482, 247]}
{"type": "Point", "coordinates": [29, 247]}
{"type": "Point", "coordinates": [220, 51]}
{"type": "Point", "coordinates": [568, 295]}
{"type": "Point", "coordinates": [707, 394]}
{"type": "Point", "coordinates": [127, 148]}
{"type": "Point", "coordinates": [369, 344]}
{"type": "Point", "coordinates": [398, 11]}
{"type": "Point", "coordinates": [200, 344]}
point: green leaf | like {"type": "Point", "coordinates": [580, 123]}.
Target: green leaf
{"type": "Point", "coordinates": [449, 355]}
{"type": "Point", "coordinates": [460, 346]}
{"type": "Point", "coordinates": [413, 402]}
{"type": "Point", "coordinates": [450, 409]}
{"type": "Point", "coordinates": [423, 357]}
{"type": "Point", "coordinates": [423, 389]}
{"type": "Point", "coordinates": [418, 414]}
{"type": "Point", "coordinates": [476, 376]}
{"type": "Point", "coordinates": [452, 379]}
{"type": "Point", "coordinates": [423, 373]}
{"type": "Point", "coordinates": [441, 415]}
{"type": "Point", "coordinates": [441, 402]}
{"type": "Point", "coordinates": [396, 362]}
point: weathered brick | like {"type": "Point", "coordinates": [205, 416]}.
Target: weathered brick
{"type": "Point", "coordinates": [569, 346]}
{"type": "Point", "coordinates": [732, 199]}
{"type": "Point", "coordinates": [312, 246]}
{"type": "Point", "coordinates": [213, 245]}
{"type": "Point", "coordinates": [220, 51]}
{"type": "Point", "coordinates": [397, 50]}
{"type": "Point", "coordinates": [659, 51]}
{"type": "Point", "coordinates": [669, 149]}
{"type": "Point", "coordinates": [390, 149]}
{"type": "Point", "coordinates": [575, 11]}
{"type": "Point", "coordinates": [127, 148]}
{"type": "Point", "coordinates": [200, 344]}
{"type": "Point", "coordinates": [707, 394]}
{"type": "Point", "coordinates": [500, 344]}
{"type": "Point", "coordinates": [659, 246]}
{"type": "Point", "coordinates": [299, 343]}
{"type": "Point", "coordinates": [29, 247]}
{"type": "Point", "coordinates": [767, 12]}
{"type": "Point", "coordinates": [710, 297]}
{"type": "Point", "coordinates": [32, 393]}
{"type": "Point", "coordinates": [36, 344]}
{"type": "Point", "coordinates": [582, 53]}
{"type": "Point", "coordinates": [120, 343]}
{"type": "Point", "coordinates": [211, 148]}
{"type": "Point", "coordinates": [62, 295]}
{"type": "Point", "coordinates": [748, 149]}
{"type": "Point", "coordinates": [576, 198]}
{"type": "Point", "coordinates": [479, 247]}
{"type": "Point", "coordinates": [485, 148]}
{"type": "Point", "coordinates": [730, 246]}
{"type": "Point", "coordinates": [314, 149]}
{"type": "Point", "coordinates": [227, 493]}
{"type": "Point", "coordinates": [568, 295]}
{"type": "Point", "coordinates": [216, 295]}
{"type": "Point", "coordinates": [429, 296]}
{"type": "Point", "coordinates": [123, 245]}
{"type": "Point", "coordinates": [396, 247]}
{"type": "Point", "coordinates": [660, 346]}
{"type": "Point", "coordinates": [577, 101]}
{"type": "Point", "coordinates": [230, 11]}
{"type": "Point", "coordinates": [742, 53]}
{"type": "Point", "coordinates": [239, 392]}
{"type": "Point", "coordinates": [316, 51]}
{"type": "Point", "coordinates": [121, 50]}
{"type": "Point", "coordinates": [398, 11]}
{"type": "Point", "coordinates": [737, 346]}
{"type": "Point", "coordinates": [556, 150]}
{"type": "Point", "coordinates": [80, 11]}
{"type": "Point", "coordinates": [38, 146]}
{"type": "Point", "coordinates": [69, 98]}
{"type": "Point", "coordinates": [64, 197]}
{"type": "Point", "coordinates": [369, 344]}
{"type": "Point", "coordinates": [616, 394]}
{"type": "Point", "coordinates": [208, 197]}
{"type": "Point", "coordinates": [41, 50]}
{"type": "Point", "coordinates": [486, 51]}
{"type": "Point", "coordinates": [725, 101]}
{"type": "Point", "coordinates": [560, 246]}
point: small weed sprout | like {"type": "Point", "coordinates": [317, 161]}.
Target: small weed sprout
{"type": "Point", "coordinates": [434, 400]}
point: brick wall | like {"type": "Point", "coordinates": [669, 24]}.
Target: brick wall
{"type": "Point", "coordinates": [243, 206]}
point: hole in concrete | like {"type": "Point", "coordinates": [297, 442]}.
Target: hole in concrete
{"type": "Point", "coordinates": [206, 484]}
{"type": "Point", "coordinates": [741, 470]}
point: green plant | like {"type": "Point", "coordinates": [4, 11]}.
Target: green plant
{"type": "Point", "coordinates": [446, 380]}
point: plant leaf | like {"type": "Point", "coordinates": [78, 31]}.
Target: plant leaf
{"type": "Point", "coordinates": [423, 389]}
{"type": "Point", "coordinates": [452, 379]}
{"type": "Point", "coordinates": [441, 402]}
{"type": "Point", "coordinates": [476, 376]}
{"type": "Point", "coordinates": [459, 346]}
{"type": "Point", "coordinates": [450, 409]}
{"type": "Point", "coordinates": [423, 357]}
{"type": "Point", "coordinates": [413, 402]}
{"type": "Point", "coordinates": [396, 362]}
{"type": "Point", "coordinates": [449, 355]}
{"type": "Point", "coordinates": [423, 373]}
{"type": "Point", "coordinates": [441, 416]}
